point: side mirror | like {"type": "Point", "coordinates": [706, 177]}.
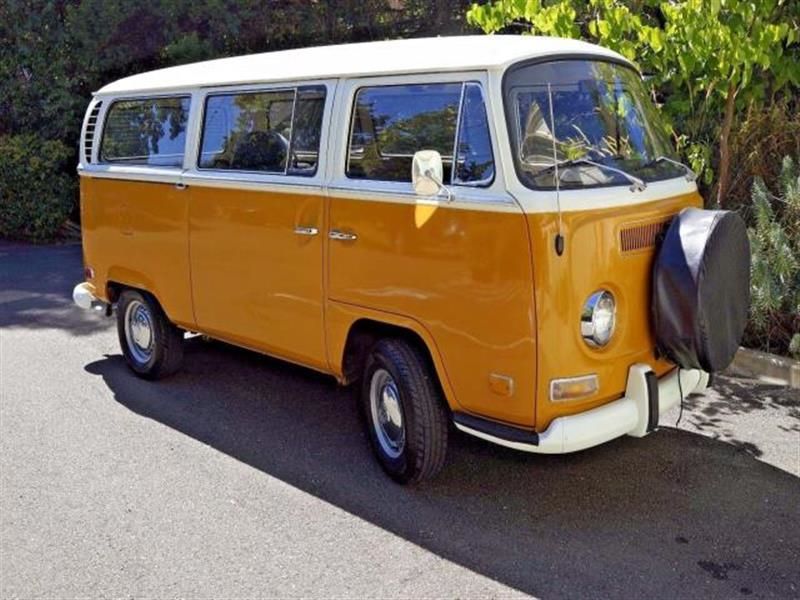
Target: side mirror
{"type": "Point", "coordinates": [427, 173]}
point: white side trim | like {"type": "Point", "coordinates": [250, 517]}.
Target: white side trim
{"type": "Point", "coordinates": [277, 184]}
{"type": "Point", "coordinates": [534, 201]}
{"type": "Point", "coordinates": [463, 198]}
{"type": "Point", "coordinates": [604, 423]}
{"type": "Point", "coordinates": [133, 173]}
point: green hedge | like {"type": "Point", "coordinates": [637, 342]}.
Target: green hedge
{"type": "Point", "coordinates": [36, 192]}
{"type": "Point", "coordinates": [775, 276]}
{"type": "Point", "coordinates": [53, 55]}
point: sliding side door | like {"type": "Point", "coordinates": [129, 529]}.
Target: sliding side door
{"type": "Point", "coordinates": [256, 219]}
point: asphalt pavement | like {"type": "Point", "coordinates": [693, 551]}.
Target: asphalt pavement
{"type": "Point", "coordinates": [243, 477]}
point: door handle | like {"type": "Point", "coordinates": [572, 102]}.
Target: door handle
{"type": "Point", "coordinates": [180, 186]}
{"type": "Point", "coordinates": [342, 236]}
{"type": "Point", "coordinates": [306, 230]}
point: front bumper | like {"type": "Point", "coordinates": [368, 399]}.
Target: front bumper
{"type": "Point", "coordinates": [635, 414]}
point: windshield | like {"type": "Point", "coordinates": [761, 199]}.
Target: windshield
{"type": "Point", "coordinates": [600, 113]}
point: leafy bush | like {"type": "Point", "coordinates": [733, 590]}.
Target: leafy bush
{"type": "Point", "coordinates": [36, 194]}
{"type": "Point", "coordinates": [54, 54]}
{"type": "Point", "coordinates": [759, 142]}
{"type": "Point", "coordinates": [775, 274]}
{"type": "Point", "coordinates": [693, 51]}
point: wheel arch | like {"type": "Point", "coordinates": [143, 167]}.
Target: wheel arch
{"type": "Point", "coordinates": [114, 290]}
{"type": "Point", "coordinates": [364, 331]}
{"type": "Point", "coordinates": [118, 280]}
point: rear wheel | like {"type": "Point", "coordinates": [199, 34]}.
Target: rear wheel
{"type": "Point", "coordinates": [151, 344]}
{"type": "Point", "coordinates": [407, 421]}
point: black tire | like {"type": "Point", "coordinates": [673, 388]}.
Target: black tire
{"type": "Point", "coordinates": [164, 352]}
{"type": "Point", "coordinates": [425, 418]}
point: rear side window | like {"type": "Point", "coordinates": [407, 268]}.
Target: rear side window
{"type": "Point", "coordinates": [391, 123]}
{"type": "Point", "coordinates": [270, 132]}
{"type": "Point", "coordinates": [146, 131]}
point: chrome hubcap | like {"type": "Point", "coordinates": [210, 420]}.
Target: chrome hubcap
{"type": "Point", "coordinates": [139, 331]}
{"type": "Point", "coordinates": [387, 413]}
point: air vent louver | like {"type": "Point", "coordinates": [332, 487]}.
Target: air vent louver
{"type": "Point", "coordinates": [91, 127]}
{"type": "Point", "coordinates": [642, 236]}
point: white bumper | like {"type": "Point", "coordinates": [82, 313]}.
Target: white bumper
{"type": "Point", "coordinates": [627, 416]}
{"type": "Point", "coordinates": [83, 295]}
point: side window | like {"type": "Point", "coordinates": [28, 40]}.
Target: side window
{"type": "Point", "coordinates": [149, 131]}
{"type": "Point", "coordinates": [390, 123]}
{"type": "Point", "coordinates": [270, 132]}
{"type": "Point", "coordinates": [307, 130]}
{"type": "Point", "coordinates": [474, 162]}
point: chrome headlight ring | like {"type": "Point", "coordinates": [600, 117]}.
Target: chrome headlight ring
{"type": "Point", "coordinates": [598, 318]}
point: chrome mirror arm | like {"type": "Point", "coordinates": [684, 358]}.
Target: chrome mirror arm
{"type": "Point", "coordinates": [442, 187]}
{"type": "Point", "coordinates": [427, 175]}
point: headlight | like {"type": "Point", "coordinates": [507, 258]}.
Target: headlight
{"type": "Point", "coordinates": [598, 318]}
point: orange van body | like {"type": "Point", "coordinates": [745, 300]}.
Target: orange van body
{"type": "Point", "coordinates": [313, 268]}
{"type": "Point", "coordinates": [482, 288]}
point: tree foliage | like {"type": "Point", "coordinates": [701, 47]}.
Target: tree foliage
{"type": "Point", "coordinates": [55, 53]}
{"type": "Point", "coordinates": [36, 195]}
{"type": "Point", "coordinates": [775, 273]}
{"type": "Point", "coordinates": [707, 60]}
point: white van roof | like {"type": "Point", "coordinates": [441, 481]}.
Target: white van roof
{"type": "Point", "coordinates": [421, 55]}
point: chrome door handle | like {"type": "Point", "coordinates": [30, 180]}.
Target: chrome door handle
{"type": "Point", "coordinates": [342, 236]}
{"type": "Point", "coordinates": [306, 230]}
{"type": "Point", "coordinates": [181, 186]}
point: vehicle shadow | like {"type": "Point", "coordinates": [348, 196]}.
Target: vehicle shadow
{"type": "Point", "coordinates": [737, 400]}
{"type": "Point", "coordinates": [737, 396]}
{"type": "Point", "coordinates": [674, 514]}
{"type": "Point", "coordinates": [36, 289]}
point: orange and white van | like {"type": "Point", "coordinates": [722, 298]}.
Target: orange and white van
{"type": "Point", "coordinates": [464, 227]}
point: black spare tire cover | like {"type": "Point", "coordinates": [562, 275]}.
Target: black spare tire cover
{"type": "Point", "coordinates": [701, 289]}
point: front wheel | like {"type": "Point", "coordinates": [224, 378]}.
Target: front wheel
{"type": "Point", "coordinates": [406, 418]}
{"type": "Point", "coordinates": [151, 344]}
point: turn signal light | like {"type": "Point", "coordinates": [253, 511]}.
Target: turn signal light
{"type": "Point", "coordinates": [88, 273]}
{"type": "Point", "coordinates": [573, 388]}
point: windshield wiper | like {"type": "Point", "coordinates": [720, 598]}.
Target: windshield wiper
{"type": "Point", "coordinates": [637, 185]}
{"type": "Point", "coordinates": [688, 173]}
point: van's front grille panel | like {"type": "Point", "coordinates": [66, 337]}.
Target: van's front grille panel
{"type": "Point", "coordinates": [91, 127]}
{"type": "Point", "coordinates": [642, 236]}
